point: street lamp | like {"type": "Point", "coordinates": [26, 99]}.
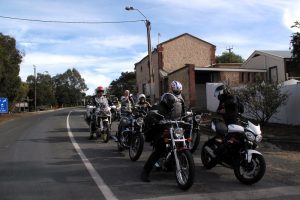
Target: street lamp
{"type": "Point", "coordinates": [148, 26]}
{"type": "Point", "coordinates": [34, 67]}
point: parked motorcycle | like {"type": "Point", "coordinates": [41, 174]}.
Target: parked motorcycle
{"type": "Point", "coordinates": [100, 122]}
{"type": "Point", "coordinates": [177, 156]}
{"type": "Point", "coordinates": [130, 134]}
{"type": "Point", "coordinates": [234, 146]}
{"type": "Point", "coordinates": [192, 130]}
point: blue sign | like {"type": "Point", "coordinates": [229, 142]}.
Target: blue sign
{"type": "Point", "coordinates": [3, 105]}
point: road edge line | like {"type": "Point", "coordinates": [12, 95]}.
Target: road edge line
{"type": "Point", "coordinates": [105, 190]}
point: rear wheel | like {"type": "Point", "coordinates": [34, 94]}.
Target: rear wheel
{"type": "Point", "coordinates": [250, 173]}
{"type": "Point", "coordinates": [185, 175]}
{"type": "Point", "coordinates": [207, 160]}
{"type": "Point", "coordinates": [136, 146]}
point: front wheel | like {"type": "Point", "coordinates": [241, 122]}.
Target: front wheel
{"type": "Point", "coordinates": [186, 173]}
{"type": "Point", "coordinates": [250, 173]}
{"type": "Point", "coordinates": [106, 132]}
{"type": "Point", "coordinates": [136, 146]}
{"type": "Point", "coordinates": [195, 141]}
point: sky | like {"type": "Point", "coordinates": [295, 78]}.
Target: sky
{"type": "Point", "coordinates": [100, 52]}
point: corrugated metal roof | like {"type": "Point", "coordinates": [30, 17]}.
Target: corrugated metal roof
{"type": "Point", "coordinates": [278, 53]}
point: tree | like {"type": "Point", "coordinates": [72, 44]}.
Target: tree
{"type": "Point", "coordinates": [44, 90]}
{"type": "Point", "coordinates": [10, 59]}
{"type": "Point", "coordinates": [229, 57]}
{"type": "Point", "coordinates": [295, 44]}
{"type": "Point", "coordinates": [127, 81]}
{"type": "Point", "coordinates": [69, 88]}
{"type": "Point", "coordinates": [262, 100]}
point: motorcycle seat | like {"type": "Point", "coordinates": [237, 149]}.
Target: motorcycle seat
{"type": "Point", "coordinates": [221, 128]}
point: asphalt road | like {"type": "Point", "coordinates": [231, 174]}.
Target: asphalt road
{"type": "Point", "coordinates": [49, 156]}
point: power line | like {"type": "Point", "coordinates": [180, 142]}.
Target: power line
{"type": "Point", "coordinates": [71, 22]}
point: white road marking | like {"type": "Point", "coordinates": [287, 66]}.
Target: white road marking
{"type": "Point", "coordinates": [94, 174]}
{"type": "Point", "coordinates": [269, 193]}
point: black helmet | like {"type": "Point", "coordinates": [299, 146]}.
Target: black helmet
{"type": "Point", "coordinates": [168, 100]}
{"type": "Point", "coordinates": [222, 89]}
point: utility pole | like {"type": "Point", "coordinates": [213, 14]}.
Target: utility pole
{"type": "Point", "coordinates": [229, 50]}
{"type": "Point", "coordinates": [151, 74]}
{"type": "Point", "coordinates": [34, 67]}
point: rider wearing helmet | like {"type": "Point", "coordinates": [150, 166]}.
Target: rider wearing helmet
{"type": "Point", "coordinates": [179, 108]}
{"type": "Point", "coordinates": [99, 99]}
{"type": "Point", "coordinates": [229, 105]}
{"type": "Point", "coordinates": [165, 108]}
{"type": "Point", "coordinates": [143, 103]}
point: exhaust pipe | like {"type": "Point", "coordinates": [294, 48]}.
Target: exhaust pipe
{"type": "Point", "coordinates": [210, 151]}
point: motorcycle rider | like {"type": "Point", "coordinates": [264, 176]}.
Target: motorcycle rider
{"type": "Point", "coordinates": [142, 103]}
{"type": "Point", "coordinates": [229, 107]}
{"type": "Point", "coordinates": [97, 100]}
{"type": "Point", "coordinates": [176, 88]}
{"type": "Point", "coordinates": [127, 101]}
{"type": "Point", "coordinates": [166, 108]}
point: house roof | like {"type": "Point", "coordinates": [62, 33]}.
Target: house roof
{"type": "Point", "coordinates": [277, 53]}
{"type": "Point", "coordinates": [184, 34]}
{"type": "Point", "coordinates": [172, 39]}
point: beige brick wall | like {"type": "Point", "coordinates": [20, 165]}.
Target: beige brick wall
{"type": "Point", "coordinates": [231, 78]}
{"type": "Point", "coordinates": [186, 50]}
{"type": "Point", "coordinates": [142, 74]}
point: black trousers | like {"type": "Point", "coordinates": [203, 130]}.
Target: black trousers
{"type": "Point", "coordinates": [159, 149]}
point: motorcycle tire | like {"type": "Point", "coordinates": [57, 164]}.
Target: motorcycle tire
{"type": "Point", "coordinates": [243, 169]}
{"type": "Point", "coordinates": [195, 141]}
{"type": "Point", "coordinates": [136, 146]}
{"type": "Point", "coordinates": [92, 127]}
{"type": "Point", "coordinates": [106, 132]}
{"type": "Point", "coordinates": [185, 176]}
{"type": "Point", "coordinates": [207, 161]}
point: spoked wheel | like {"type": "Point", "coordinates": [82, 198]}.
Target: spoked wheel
{"type": "Point", "coordinates": [185, 175]}
{"type": "Point", "coordinates": [250, 173]}
{"type": "Point", "coordinates": [136, 146]}
{"type": "Point", "coordinates": [207, 160]}
{"type": "Point", "coordinates": [106, 132]}
{"type": "Point", "coordinates": [195, 141]}
{"type": "Point", "coordinates": [92, 128]}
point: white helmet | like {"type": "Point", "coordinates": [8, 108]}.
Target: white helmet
{"type": "Point", "coordinates": [176, 87]}
{"type": "Point", "coordinates": [142, 96]}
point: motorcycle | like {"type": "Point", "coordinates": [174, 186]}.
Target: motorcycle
{"type": "Point", "coordinates": [130, 134]}
{"type": "Point", "coordinates": [100, 122]}
{"type": "Point", "coordinates": [234, 147]}
{"type": "Point", "coordinates": [192, 131]}
{"type": "Point", "coordinates": [115, 112]}
{"type": "Point", "coordinates": [88, 113]}
{"type": "Point", "coordinates": [177, 155]}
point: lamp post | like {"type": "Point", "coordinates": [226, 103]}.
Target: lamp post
{"type": "Point", "coordinates": [34, 67]}
{"type": "Point", "coordinates": [148, 26]}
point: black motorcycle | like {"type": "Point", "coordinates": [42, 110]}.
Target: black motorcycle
{"type": "Point", "coordinates": [234, 147]}
{"type": "Point", "coordinates": [130, 134]}
{"type": "Point", "coordinates": [177, 156]}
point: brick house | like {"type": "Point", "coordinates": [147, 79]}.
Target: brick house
{"type": "Point", "coordinates": [189, 60]}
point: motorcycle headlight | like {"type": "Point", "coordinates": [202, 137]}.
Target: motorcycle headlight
{"type": "Point", "coordinates": [258, 138]}
{"type": "Point", "coordinates": [139, 121]}
{"type": "Point", "coordinates": [250, 136]}
{"type": "Point", "coordinates": [198, 118]}
{"type": "Point", "coordinates": [179, 133]}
